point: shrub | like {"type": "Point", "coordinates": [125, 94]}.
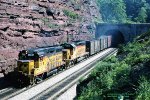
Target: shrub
{"type": "Point", "coordinates": [71, 14]}
{"type": "Point", "coordinates": [143, 92]}
{"type": "Point", "coordinates": [45, 19]}
{"type": "Point", "coordinates": [53, 25]}
{"type": "Point", "coordinates": [121, 75]}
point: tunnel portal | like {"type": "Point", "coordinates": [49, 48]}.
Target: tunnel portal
{"type": "Point", "coordinates": [117, 37]}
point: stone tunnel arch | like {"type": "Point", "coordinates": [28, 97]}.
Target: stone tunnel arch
{"type": "Point", "coordinates": [117, 37]}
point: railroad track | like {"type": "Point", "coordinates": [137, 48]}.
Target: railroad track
{"type": "Point", "coordinates": [53, 92]}
{"type": "Point", "coordinates": [9, 92]}
{"type": "Point", "coordinates": [50, 90]}
{"type": "Point", "coordinates": [6, 91]}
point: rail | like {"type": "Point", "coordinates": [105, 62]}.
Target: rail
{"type": "Point", "coordinates": [59, 88]}
{"type": "Point", "coordinates": [46, 87]}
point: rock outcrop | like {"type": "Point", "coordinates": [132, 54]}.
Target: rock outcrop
{"type": "Point", "coordinates": [35, 23]}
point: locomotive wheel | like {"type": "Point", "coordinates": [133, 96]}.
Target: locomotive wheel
{"type": "Point", "coordinates": [75, 61]}
{"type": "Point", "coordinates": [61, 68]}
{"type": "Point", "coordinates": [86, 57]}
{"type": "Point", "coordinates": [38, 79]}
{"type": "Point", "coordinates": [69, 65]}
{"type": "Point", "coordinates": [19, 83]}
{"type": "Point", "coordinates": [44, 76]}
{"type": "Point", "coordinates": [57, 70]}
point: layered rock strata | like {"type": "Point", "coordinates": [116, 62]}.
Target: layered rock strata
{"type": "Point", "coordinates": [35, 23]}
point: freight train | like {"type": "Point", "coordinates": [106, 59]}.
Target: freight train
{"type": "Point", "coordinates": [34, 65]}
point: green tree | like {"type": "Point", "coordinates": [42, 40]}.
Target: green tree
{"type": "Point", "coordinates": [142, 16]}
{"type": "Point", "coordinates": [113, 10]}
{"type": "Point", "coordinates": [134, 9]}
{"type": "Point", "coordinates": [125, 11]}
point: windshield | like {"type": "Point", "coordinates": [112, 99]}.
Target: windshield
{"type": "Point", "coordinates": [26, 57]}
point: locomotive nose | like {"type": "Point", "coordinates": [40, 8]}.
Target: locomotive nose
{"type": "Point", "coordinates": [24, 66]}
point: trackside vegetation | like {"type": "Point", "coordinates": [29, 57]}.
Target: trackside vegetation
{"type": "Point", "coordinates": [125, 76]}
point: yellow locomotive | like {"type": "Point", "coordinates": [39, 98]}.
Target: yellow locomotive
{"type": "Point", "coordinates": [35, 64]}
{"type": "Point", "coordinates": [72, 52]}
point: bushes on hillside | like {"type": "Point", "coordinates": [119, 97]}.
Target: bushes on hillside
{"type": "Point", "coordinates": [71, 14]}
{"type": "Point", "coordinates": [121, 74]}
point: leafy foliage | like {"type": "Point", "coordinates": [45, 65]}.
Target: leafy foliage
{"type": "Point", "coordinates": [71, 14]}
{"type": "Point", "coordinates": [53, 25]}
{"type": "Point", "coordinates": [130, 74]}
{"type": "Point", "coordinates": [142, 15]}
{"type": "Point", "coordinates": [125, 11]}
{"type": "Point", "coordinates": [112, 10]}
{"type": "Point", "coordinates": [143, 92]}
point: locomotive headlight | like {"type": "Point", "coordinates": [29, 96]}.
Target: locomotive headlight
{"type": "Point", "coordinates": [26, 52]}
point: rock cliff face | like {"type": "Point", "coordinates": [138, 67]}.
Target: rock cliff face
{"type": "Point", "coordinates": [35, 23]}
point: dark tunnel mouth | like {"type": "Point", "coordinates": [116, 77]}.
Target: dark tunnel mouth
{"type": "Point", "coordinates": [117, 37]}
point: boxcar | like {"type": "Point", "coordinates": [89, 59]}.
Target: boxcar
{"type": "Point", "coordinates": [105, 42]}
{"type": "Point", "coordinates": [90, 47]}
{"type": "Point", "coordinates": [102, 43]}
{"type": "Point", "coordinates": [98, 45]}
{"type": "Point", "coordinates": [95, 46]}
{"type": "Point", "coordinates": [109, 40]}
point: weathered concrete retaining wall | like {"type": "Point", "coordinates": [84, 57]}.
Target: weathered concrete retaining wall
{"type": "Point", "coordinates": [129, 31]}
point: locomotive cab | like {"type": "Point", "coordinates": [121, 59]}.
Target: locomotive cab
{"type": "Point", "coordinates": [68, 51]}
{"type": "Point", "coordinates": [66, 54]}
{"type": "Point", "coordinates": [31, 63]}
{"type": "Point", "coordinates": [26, 66]}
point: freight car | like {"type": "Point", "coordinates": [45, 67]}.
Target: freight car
{"type": "Point", "coordinates": [90, 47]}
{"type": "Point", "coordinates": [34, 65]}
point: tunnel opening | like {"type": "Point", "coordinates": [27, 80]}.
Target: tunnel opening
{"type": "Point", "coordinates": [117, 37]}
